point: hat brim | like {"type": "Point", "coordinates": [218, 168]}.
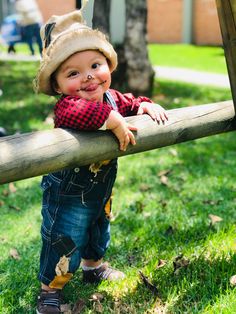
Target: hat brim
{"type": "Point", "coordinates": [66, 46]}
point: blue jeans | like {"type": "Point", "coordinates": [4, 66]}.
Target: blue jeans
{"type": "Point", "coordinates": [31, 34]}
{"type": "Point", "coordinates": [75, 223]}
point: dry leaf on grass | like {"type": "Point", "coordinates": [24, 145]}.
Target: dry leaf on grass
{"type": "Point", "coordinates": [233, 281]}
{"type": "Point", "coordinates": [144, 187]}
{"type": "Point", "coordinates": [12, 188]}
{"type": "Point", "coordinates": [164, 180]}
{"type": "Point", "coordinates": [161, 263]}
{"type": "Point", "coordinates": [5, 193]}
{"type": "Point", "coordinates": [78, 306]}
{"type": "Point", "coordinates": [148, 283]}
{"type": "Point", "coordinates": [97, 296]}
{"type": "Point", "coordinates": [163, 172]}
{"type": "Point", "coordinates": [173, 152]}
{"type": "Point", "coordinates": [97, 307]}
{"type": "Point", "coordinates": [66, 308]}
{"type": "Point", "coordinates": [179, 263]}
{"type": "Point", "coordinates": [14, 254]}
{"type": "Point", "coordinates": [214, 219]}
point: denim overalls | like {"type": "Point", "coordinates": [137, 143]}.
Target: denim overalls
{"type": "Point", "coordinates": [75, 208]}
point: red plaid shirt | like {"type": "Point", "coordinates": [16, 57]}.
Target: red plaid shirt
{"type": "Point", "coordinates": [81, 114]}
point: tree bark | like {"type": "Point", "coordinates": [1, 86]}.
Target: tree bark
{"type": "Point", "coordinates": [140, 74]}
{"type": "Point", "coordinates": [101, 15]}
{"type": "Point", "coordinates": [134, 73]}
{"type": "Point", "coordinates": [28, 155]}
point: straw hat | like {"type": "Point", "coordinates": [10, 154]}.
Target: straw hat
{"type": "Point", "coordinates": [63, 36]}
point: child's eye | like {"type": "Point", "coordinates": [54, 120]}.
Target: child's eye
{"type": "Point", "coordinates": [73, 73]}
{"type": "Point", "coordinates": [95, 65]}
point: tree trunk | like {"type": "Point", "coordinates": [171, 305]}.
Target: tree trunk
{"type": "Point", "coordinates": [140, 74]}
{"type": "Point", "coordinates": [101, 15]}
{"type": "Point", "coordinates": [28, 155]}
{"type": "Point", "coordinates": [134, 73]}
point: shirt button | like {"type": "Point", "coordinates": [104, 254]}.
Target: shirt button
{"type": "Point", "coordinates": [76, 170]}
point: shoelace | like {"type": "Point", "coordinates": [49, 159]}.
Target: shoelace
{"type": "Point", "coordinates": [51, 299]}
{"type": "Point", "coordinates": [105, 273]}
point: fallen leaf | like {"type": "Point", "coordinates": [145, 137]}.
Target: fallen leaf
{"type": "Point", "coordinates": [173, 152]}
{"type": "Point", "coordinates": [5, 193]}
{"type": "Point", "coordinates": [233, 281]}
{"type": "Point", "coordinates": [164, 180]}
{"type": "Point", "coordinates": [148, 284]}
{"type": "Point", "coordinates": [180, 262]}
{"type": "Point", "coordinates": [161, 263]}
{"type": "Point", "coordinates": [144, 187]}
{"type": "Point", "coordinates": [163, 173]}
{"type": "Point", "coordinates": [66, 308]}
{"type": "Point", "coordinates": [97, 296]}
{"type": "Point", "coordinates": [97, 306]}
{"type": "Point", "coordinates": [214, 219]}
{"type": "Point", "coordinates": [14, 254]}
{"type": "Point", "coordinates": [78, 306]}
{"type": "Point", "coordinates": [12, 188]}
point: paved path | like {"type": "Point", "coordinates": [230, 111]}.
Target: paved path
{"type": "Point", "coordinates": [191, 76]}
{"type": "Point", "coordinates": [171, 73]}
{"type": "Point", "coordinates": [18, 57]}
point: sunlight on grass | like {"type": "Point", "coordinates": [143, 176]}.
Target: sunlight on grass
{"type": "Point", "coordinates": [210, 59]}
{"type": "Point", "coordinates": [153, 219]}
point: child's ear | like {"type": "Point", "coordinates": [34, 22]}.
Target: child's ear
{"type": "Point", "coordinates": [55, 87]}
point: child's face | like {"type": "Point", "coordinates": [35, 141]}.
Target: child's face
{"type": "Point", "coordinates": [85, 74]}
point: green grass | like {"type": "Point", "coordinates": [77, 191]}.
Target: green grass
{"type": "Point", "coordinates": [152, 221]}
{"type": "Point", "coordinates": [202, 58]}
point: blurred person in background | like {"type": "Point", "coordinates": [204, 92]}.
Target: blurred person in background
{"type": "Point", "coordinates": [11, 32]}
{"type": "Point", "coordinates": [30, 19]}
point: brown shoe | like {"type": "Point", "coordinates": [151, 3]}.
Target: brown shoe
{"type": "Point", "coordinates": [49, 302]}
{"type": "Point", "coordinates": [104, 272]}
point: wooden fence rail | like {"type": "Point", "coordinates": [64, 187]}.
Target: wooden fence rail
{"type": "Point", "coordinates": [32, 154]}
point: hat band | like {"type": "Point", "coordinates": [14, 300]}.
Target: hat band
{"type": "Point", "coordinates": [47, 34]}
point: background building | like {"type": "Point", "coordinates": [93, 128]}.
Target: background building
{"type": "Point", "coordinates": [169, 21]}
{"type": "Point", "coordinates": [183, 21]}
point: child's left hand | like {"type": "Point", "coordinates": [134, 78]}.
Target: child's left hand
{"type": "Point", "coordinates": [155, 111]}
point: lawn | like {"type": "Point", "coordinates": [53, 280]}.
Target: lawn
{"type": "Point", "coordinates": [201, 58]}
{"type": "Point", "coordinates": [177, 257]}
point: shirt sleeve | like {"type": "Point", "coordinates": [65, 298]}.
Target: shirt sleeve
{"type": "Point", "coordinates": [127, 103]}
{"type": "Point", "coordinates": [80, 114]}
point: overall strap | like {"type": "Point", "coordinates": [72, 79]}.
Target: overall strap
{"type": "Point", "coordinates": [111, 100]}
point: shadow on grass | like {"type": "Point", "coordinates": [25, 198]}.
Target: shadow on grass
{"type": "Point", "coordinates": [177, 220]}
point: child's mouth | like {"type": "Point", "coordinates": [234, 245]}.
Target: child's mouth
{"type": "Point", "coordinates": [91, 87]}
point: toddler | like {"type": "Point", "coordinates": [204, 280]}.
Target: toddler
{"type": "Point", "coordinates": [77, 63]}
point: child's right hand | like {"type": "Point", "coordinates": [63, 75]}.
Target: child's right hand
{"type": "Point", "coordinates": [122, 130]}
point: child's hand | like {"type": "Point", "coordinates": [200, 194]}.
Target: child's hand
{"type": "Point", "coordinates": [122, 130]}
{"type": "Point", "coordinates": [155, 111]}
